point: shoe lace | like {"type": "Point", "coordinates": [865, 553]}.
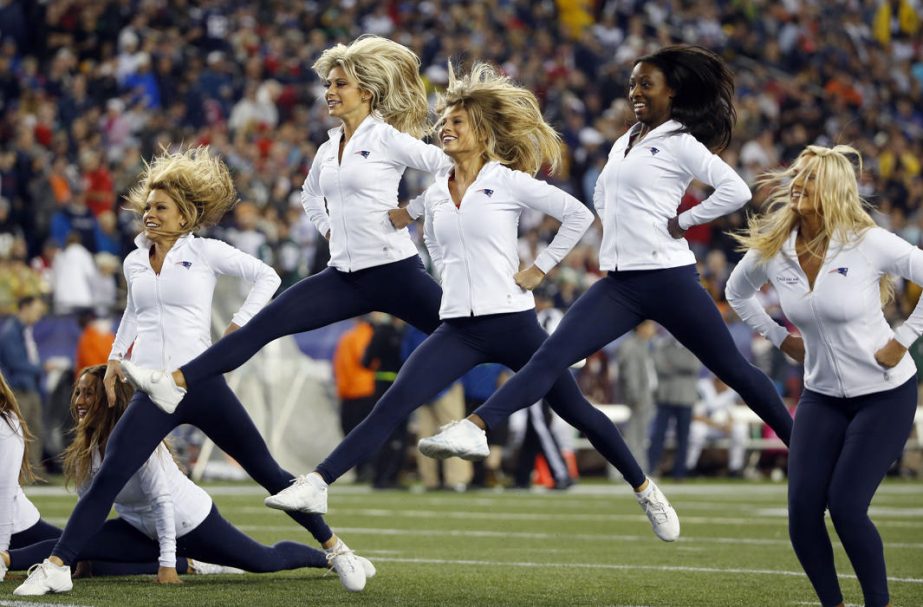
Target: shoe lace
{"type": "Point", "coordinates": [333, 555]}
{"type": "Point", "coordinates": [656, 508]}
{"type": "Point", "coordinates": [35, 570]}
{"type": "Point", "coordinates": [299, 480]}
{"type": "Point", "coordinates": [450, 425]}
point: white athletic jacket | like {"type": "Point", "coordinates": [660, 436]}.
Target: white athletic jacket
{"type": "Point", "coordinates": [159, 501]}
{"type": "Point", "coordinates": [474, 248]}
{"type": "Point", "coordinates": [168, 316]}
{"type": "Point", "coordinates": [841, 320]}
{"type": "Point", "coordinates": [636, 194]}
{"type": "Point", "coordinates": [16, 511]}
{"type": "Point", "coordinates": [352, 198]}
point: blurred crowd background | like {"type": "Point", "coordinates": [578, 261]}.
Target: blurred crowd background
{"type": "Point", "coordinates": [89, 89]}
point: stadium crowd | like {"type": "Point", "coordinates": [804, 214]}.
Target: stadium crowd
{"type": "Point", "coordinates": [89, 89]}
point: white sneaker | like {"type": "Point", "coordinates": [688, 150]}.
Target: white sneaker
{"type": "Point", "coordinates": [458, 439]}
{"type": "Point", "coordinates": [348, 566]}
{"type": "Point", "coordinates": [46, 577]}
{"type": "Point", "coordinates": [367, 566]}
{"type": "Point", "coordinates": [157, 384]}
{"type": "Point", "coordinates": [308, 493]}
{"type": "Point", "coordinates": [659, 512]}
{"type": "Point", "coordinates": [200, 568]}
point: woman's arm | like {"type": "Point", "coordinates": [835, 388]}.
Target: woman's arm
{"type": "Point", "coordinates": [742, 286]}
{"type": "Point", "coordinates": [731, 192]}
{"type": "Point", "coordinates": [227, 260]}
{"type": "Point", "coordinates": [155, 486]}
{"type": "Point", "coordinates": [312, 199]}
{"type": "Point", "coordinates": [12, 448]}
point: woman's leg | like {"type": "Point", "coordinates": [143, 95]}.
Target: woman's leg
{"type": "Point", "coordinates": [224, 420]}
{"type": "Point", "coordinates": [817, 440]}
{"type": "Point", "coordinates": [874, 439]}
{"type": "Point", "coordinates": [441, 359]}
{"type": "Point", "coordinates": [600, 315]}
{"type": "Point", "coordinates": [134, 438]}
{"type": "Point", "coordinates": [415, 298]}
{"type": "Point", "coordinates": [678, 302]}
{"type": "Point", "coordinates": [39, 532]}
{"type": "Point", "coordinates": [217, 541]}
{"type": "Point", "coordinates": [314, 302]}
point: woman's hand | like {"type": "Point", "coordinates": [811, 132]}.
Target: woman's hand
{"type": "Point", "coordinates": [529, 278]}
{"type": "Point", "coordinates": [890, 354]}
{"type": "Point", "coordinates": [167, 575]}
{"type": "Point", "coordinates": [400, 218]}
{"type": "Point", "coordinates": [793, 346]}
{"type": "Point", "coordinates": [113, 373]}
{"type": "Point", "coordinates": [231, 328]}
{"type": "Point", "coordinates": [674, 229]}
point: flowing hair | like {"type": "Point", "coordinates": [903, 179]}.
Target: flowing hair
{"type": "Point", "coordinates": [506, 117]}
{"type": "Point", "coordinates": [845, 216]}
{"type": "Point", "coordinates": [9, 411]}
{"type": "Point", "coordinates": [704, 92]}
{"type": "Point", "coordinates": [390, 73]}
{"type": "Point", "coordinates": [198, 182]}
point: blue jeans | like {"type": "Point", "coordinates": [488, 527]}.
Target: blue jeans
{"type": "Point", "coordinates": [682, 414]}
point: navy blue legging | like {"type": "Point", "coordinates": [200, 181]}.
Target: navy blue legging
{"type": "Point", "coordinates": [401, 288]}
{"type": "Point", "coordinates": [210, 406]}
{"type": "Point", "coordinates": [841, 450]}
{"type": "Point", "coordinates": [455, 347]}
{"type": "Point", "coordinates": [45, 535]}
{"type": "Point", "coordinates": [613, 306]}
{"type": "Point", "coordinates": [214, 541]}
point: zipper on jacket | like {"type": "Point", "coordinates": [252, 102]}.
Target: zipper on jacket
{"type": "Point", "coordinates": [461, 237]}
{"type": "Point", "coordinates": [349, 259]}
{"type": "Point", "coordinates": [615, 211]}
{"type": "Point", "coordinates": [163, 333]}
{"type": "Point", "coordinates": [830, 353]}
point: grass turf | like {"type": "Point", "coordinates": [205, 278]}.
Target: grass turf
{"type": "Point", "coordinates": [588, 546]}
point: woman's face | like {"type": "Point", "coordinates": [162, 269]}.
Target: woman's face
{"type": "Point", "coordinates": [650, 96]}
{"type": "Point", "coordinates": [344, 97]}
{"type": "Point", "coordinates": [457, 134]}
{"type": "Point", "coordinates": [85, 395]}
{"type": "Point", "coordinates": [161, 216]}
{"type": "Point", "coordinates": [803, 193]}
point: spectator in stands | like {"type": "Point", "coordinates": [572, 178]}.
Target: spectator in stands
{"type": "Point", "coordinates": [712, 419]}
{"type": "Point", "coordinates": [96, 339]}
{"type": "Point", "coordinates": [638, 382]}
{"type": "Point", "coordinates": [354, 383]}
{"type": "Point", "coordinates": [178, 194]}
{"type": "Point", "coordinates": [74, 218]}
{"type": "Point", "coordinates": [822, 251]}
{"type": "Point", "coordinates": [22, 367]}
{"type": "Point", "coordinates": [75, 275]}
{"type": "Point", "coordinates": [677, 376]}
{"type": "Point", "coordinates": [682, 98]}
{"type": "Point", "coordinates": [164, 520]}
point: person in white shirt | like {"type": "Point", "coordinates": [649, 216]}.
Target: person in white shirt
{"type": "Point", "coordinates": [163, 517]}
{"type": "Point", "coordinates": [712, 419]}
{"type": "Point", "coordinates": [171, 278]}
{"type": "Point", "coordinates": [373, 86]}
{"type": "Point", "coordinates": [820, 249]}
{"type": "Point", "coordinates": [682, 98]}
{"type": "Point", "coordinates": [495, 134]}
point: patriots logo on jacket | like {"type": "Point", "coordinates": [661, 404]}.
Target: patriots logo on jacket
{"type": "Point", "coordinates": [487, 192]}
{"type": "Point", "coordinates": [364, 153]}
{"type": "Point", "coordinates": [842, 271]}
{"type": "Point", "coordinates": [185, 264]}
{"type": "Point", "coordinates": [654, 151]}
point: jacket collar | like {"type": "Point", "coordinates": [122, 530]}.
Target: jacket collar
{"type": "Point", "coordinates": [368, 122]}
{"type": "Point", "coordinates": [143, 242]}
{"type": "Point", "coordinates": [442, 179]}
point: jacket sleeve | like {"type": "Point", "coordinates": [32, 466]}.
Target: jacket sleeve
{"type": "Point", "coordinates": [731, 192]}
{"type": "Point", "coordinates": [892, 254]}
{"type": "Point", "coordinates": [312, 199]}
{"type": "Point", "coordinates": [429, 238]}
{"type": "Point", "coordinates": [128, 326]}
{"type": "Point", "coordinates": [156, 488]}
{"type": "Point", "coordinates": [225, 259]}
{"type": "Point", "coordinates": [12, 448]}
{"type": "Point", "coordinates": [742, 286]}
{"type": "Point", "coordinates": [410, 152]}
{"type": "Point", "coordinates": [575, 218]}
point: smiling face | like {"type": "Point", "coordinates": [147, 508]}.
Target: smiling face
{"type": "Point", "coordinates": [161, 217]}
{"type": "Point", "coordinates": [649, 95]}
{"type": "Point", "coordinates": [804, 194]}
{"type": "Point", "coordinates": [457, 134]}
{"type": "Point", "coordinates": [85, 398]}
{"type": "Point", "coordinates": [344, 98]}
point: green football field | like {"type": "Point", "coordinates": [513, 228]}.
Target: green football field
{"type": "Point", "coordinates": [588, 546]}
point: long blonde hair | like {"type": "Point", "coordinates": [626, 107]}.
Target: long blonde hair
{"type": "Point", "coordinates": [198, 182]}
{"type": "Point", "coordinates": [9, 410]}
{"type": "Point", "coordinates": [506, 117]}
{"type": "Point", "coordinates": [844, 214]}
{"type": "Point", "coordinates": [390, 73]}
